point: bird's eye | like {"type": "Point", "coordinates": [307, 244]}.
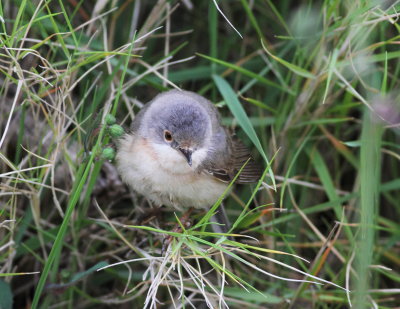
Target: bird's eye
{"type": "Point", "coordinates": [167, 136]}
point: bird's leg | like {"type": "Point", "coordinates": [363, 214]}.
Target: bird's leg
{"type": "Point", "coordinates": [186, 223]}
{"type": "Point", "coordinates": [149, 215]}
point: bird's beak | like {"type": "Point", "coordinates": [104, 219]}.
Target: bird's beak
{"type": "Point", "coordinates": [187, 153]}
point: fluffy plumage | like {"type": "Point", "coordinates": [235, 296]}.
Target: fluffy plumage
{"type": "Point", "coordinates": [178, 154]}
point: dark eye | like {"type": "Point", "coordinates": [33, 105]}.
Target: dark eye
{"type": "Point", "coordinates": [167, 136]}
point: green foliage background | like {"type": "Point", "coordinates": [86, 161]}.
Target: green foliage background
{"type": "Point", "coordinates": [318, 81]}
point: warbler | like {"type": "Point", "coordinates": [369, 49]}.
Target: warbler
{"type": "Point", "coordinates": [178, 154]}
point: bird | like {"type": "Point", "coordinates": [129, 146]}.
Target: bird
{"type": "Point", "coordinates": [178, 154]}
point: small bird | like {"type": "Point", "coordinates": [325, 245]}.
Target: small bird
{"type": "Point", "coordinates": [179, 155]}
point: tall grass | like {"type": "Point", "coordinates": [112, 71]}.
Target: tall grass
{"type": "Point", "coordinates": [311, 88]}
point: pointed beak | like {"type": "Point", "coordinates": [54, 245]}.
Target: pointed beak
{"type": "Point", "coordinates": [188, 154]}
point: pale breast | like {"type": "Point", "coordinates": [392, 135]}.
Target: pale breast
{"type": "Point", "coordinates": [162, 175]}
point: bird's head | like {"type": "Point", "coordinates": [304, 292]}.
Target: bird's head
{"type": "Point", "coordinates": [179, 122]}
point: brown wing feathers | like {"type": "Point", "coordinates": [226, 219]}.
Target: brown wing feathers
{"type": "Point", "coordinates": [252, 172]}
{"type": "Point", "coordinates": [221, 174]}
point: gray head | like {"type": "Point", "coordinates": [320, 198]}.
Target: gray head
{"type": "Point", "coordinates": [177, 119]}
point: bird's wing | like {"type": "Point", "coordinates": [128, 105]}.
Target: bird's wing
{"type": "Point", "coordinates": [251, 172]}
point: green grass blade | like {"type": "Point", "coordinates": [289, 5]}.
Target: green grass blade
{"type": "Point", "coordinates": [385, 75]}
{"type": "Point", "coordinates": [6, 295]}
{"type": "Point", "coordinates": [331, 69]}
{"type": "Point", "coordinates": [369, 191]}
{"type": "Point", "coordinates": [292, 67]}
{"type": "Point", "coordinates": [238, 111]}
{"type": "Point", "coordinates": [82, 175]}
{"type": "Point", "coordinates": [330, 189]}
{"type": "Point", "coordinates": [246, 72]}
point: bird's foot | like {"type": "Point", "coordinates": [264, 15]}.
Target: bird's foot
{"type": "Point", "coordinates": [185, 222]}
